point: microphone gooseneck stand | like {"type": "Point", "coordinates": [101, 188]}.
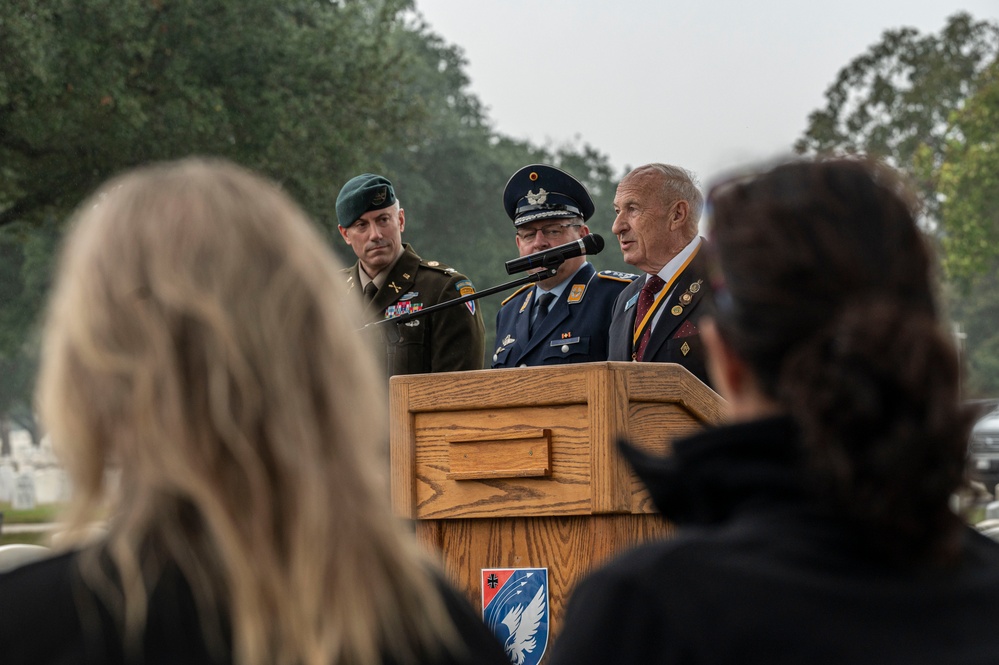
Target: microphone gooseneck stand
{"type": "Point", "coordinates": [393, 335]}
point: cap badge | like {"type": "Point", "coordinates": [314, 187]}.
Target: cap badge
{"type": "Point", "coordinates": [380, 197]}
{"type": "Point", "coordinates": [537, 199]}
{"type": "Point", "coordinates": [533, 176]}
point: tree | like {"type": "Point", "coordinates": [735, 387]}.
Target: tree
{"type": "Point", "coordinates": [896, 99]}
{"type": "Point", "coordinates": [927, 103]}
{"type": "Point", "coordinates": [967, 182]}
{"type": "Point", "coordinates": [25, 268]}
{"type": "Point", "coordinates": [301, 90]}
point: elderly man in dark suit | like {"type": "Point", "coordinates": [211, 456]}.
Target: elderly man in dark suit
{"type": "Point", "coordinates": [655, 319]}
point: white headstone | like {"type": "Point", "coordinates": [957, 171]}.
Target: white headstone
{"type": "Point", "coordinates": [6, 482]}
{"type": "Point", "coordinates": [48, 485]}
{"type": "Point", "coordinates": [24, 492]}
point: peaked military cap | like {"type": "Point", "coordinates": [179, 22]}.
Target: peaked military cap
{"type": "Point", "coordinates": [363, 193]}
{"type": "Point", "coordinates": [539, 191]}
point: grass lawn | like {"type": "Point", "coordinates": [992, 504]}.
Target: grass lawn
{"type": "Point", "coordinates": [25, 538]}
{"type": "Point", "coordinates": [37, 515]}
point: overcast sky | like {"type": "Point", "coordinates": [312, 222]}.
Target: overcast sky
{"type": "Point", "coordinates": [705, 85]}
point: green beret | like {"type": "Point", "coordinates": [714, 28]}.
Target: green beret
{"type": "Point", "coordinates": [361, 194]}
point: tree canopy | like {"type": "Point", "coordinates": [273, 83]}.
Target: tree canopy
{"type": "Point", "coordinates": [929, 104]}
{"type": "Point", "coordinates": [309, 92]}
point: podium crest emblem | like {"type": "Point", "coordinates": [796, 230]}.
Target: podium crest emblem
{"type": "Point", "coordinates": [515, 608]}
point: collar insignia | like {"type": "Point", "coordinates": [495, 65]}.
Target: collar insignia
{"type": "Point", "coordinates": [507, 341]}
{"type": "Point", "coordinates": [397, 288]}
{"type": "Point", "coordinates": [527, 302]}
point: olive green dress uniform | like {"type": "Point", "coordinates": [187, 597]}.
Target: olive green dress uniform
{"type": "Point", "coordinates": [449, 340]}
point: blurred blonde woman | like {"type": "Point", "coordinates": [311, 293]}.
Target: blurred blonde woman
{"type": "Point", "coordinates": [200, 346]}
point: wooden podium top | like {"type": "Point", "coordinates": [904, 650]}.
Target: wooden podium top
{"type": "Point", "coordinates": [536, 441]}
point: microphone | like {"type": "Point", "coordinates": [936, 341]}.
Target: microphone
{"type": "Point", "coordinates": [550, 258]}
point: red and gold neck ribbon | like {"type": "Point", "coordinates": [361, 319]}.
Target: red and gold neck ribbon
{"type": "Point", "coordinates": [639, 329]}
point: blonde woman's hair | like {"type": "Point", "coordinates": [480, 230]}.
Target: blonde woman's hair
{"type": "Point", "coordinates": [200, 342]}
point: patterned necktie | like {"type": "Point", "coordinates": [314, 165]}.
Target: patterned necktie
{"type": "Point", "coordinates": [645, 300]}
{"type": "Point", "coordinates": [544, 302]}
{"type": "Point", "coordinates": [369, 292]}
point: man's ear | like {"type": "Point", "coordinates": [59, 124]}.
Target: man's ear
{"type": "Point", "coordinates": [343, 233]}
{"type": "Point", "coordinates": [402, 220]}
{"type": "Point", "coordinates": [678, 217]}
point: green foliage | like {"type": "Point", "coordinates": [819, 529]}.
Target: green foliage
{"type": "Point", "coordinates": [308, 92]}
{"type": "Point", "coordinates": [91, 88]}
{"type": "Point", "coordinates": [930, 105]}
{"type": "Point", "coordinates": [38, 515]}
{"type": "Point", "coordinates": [968, 184]}
{"type": "Point", "coordinates": [895, 99]}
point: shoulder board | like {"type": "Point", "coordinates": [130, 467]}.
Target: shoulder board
{"type": "Point", "coordinates": [617, 276]}
{"type": "Point", "coordinates": [438, 266]}
{"type": "Point", "coordinates": [516, 293]}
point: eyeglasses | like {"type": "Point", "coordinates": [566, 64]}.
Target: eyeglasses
{"type": "Point", "coordinates": [553, 232]}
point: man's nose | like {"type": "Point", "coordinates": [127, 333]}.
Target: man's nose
{"type": "Point", "coordinates": [541, 242]}
{"type": "Point", "coordinates": [618, 226]}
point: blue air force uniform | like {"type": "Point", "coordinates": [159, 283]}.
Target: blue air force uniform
{"type": "Point", "coordinates": [575, 330]}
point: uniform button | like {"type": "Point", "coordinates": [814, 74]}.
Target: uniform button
{"type": "Point", "coordinates": [524, 365]}
{"type": "Point", "coordinates": [565, 348]}
{"type": "Point", "coordinates": [495, 357]}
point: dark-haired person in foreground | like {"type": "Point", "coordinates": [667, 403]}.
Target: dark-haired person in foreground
{"type": "Point", "coordinates": [203, 380]}
{"type": "Point", "coordinates": [565, 318]}
{"type": "Point", "coordinates": [817, 527]}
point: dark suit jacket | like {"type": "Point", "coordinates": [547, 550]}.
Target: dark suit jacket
{"type": "Point", "coordinates": [676, 338]}
{"type": "Point", "coordinates": [445, 341]}
{"type": "Point", "coordinates": [575, 330]}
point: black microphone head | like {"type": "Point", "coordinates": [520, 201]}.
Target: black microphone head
{"type": "Point", "coordinates": [593, 243]}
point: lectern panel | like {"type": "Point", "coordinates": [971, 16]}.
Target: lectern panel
{"type": "Point", "coordinates": [564, 491]}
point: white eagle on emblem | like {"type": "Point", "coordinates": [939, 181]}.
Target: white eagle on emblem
{"type": "Point", "coordinates": [523, 626]}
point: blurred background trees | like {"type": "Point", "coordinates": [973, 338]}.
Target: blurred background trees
{"type": "Point", "coordinates": [308, 92]}
{"type": "Point", "coordinates": [312, 92]}
{"type": "Point", "coordinates": [929, 104]}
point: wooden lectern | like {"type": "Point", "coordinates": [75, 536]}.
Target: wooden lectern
{"type": "Point", "coordinates": [515, 468]}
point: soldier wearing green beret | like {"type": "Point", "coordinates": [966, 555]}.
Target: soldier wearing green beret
{"type": "Point", "coordinates": [393, 280]}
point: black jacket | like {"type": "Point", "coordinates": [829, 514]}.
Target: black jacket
{"type": "Point", "coordinates": [758, 572]}
{"type": "Point", "coordinates": [50, 616]}
{"type": "Point", "coordinates": [676, 338]}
